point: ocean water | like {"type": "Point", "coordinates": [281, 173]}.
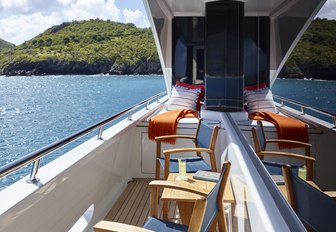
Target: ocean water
{"type": "Point", "coordinates": [37, 111]}
{"type": "Point", "coordinates": [317, 93]}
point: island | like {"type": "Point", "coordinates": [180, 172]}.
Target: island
{"type": "Point", "coordinates": [105, 47]}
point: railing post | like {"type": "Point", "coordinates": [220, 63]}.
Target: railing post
{"type": "Point", "coordinates": [129, 116]}
{"type": "Point", "coordinates": [34, 171]}
{"type": "Point", "coordinates": [158, 99]}
{"type": "Point", "coordinates": [302, 110]}
{"type": "Point", "coordinates": [147, 106]}
{"type": "Point", "coordinates": [334, 119]}
{"type": "Point", "coordinates": [100, 133]}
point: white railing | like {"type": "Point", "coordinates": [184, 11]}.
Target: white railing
{"type": "Point", "coordinates": [303, 108]}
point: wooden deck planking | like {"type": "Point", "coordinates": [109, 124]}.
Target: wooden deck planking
{"type": "Point", "coordinates": [133, 211]}
{"type": "Point", "coordinates": [144, 212]}
{"type": "Point", "coordinates": [125, 214]}
{"type": "Point", "coordinates": [119, 204]}
{"type": "Point", "coordinates": [132, 206]}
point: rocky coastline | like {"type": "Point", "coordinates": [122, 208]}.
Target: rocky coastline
{"type": "Point", "coordinates": [57, 67]}
{"type": "Point", "coordinates": [142, 67]}
{"type": "Point", "coordinates": [309, 71]}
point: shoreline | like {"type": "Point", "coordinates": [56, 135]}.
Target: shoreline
{"type": "Point", "coordinates": [135, 75]}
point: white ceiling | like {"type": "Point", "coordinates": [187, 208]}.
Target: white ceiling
{"type": "Point", "coordinates": [196, 7]}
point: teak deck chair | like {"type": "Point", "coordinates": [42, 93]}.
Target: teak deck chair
{"type": "Point", "coordinates": [205, 141]}
{"type": "Point", "coordinates": [207, 209]}
{"type": "Point", "coordinates": [274, 168]}
{"type": "Point", "coordinates": [314, 208]}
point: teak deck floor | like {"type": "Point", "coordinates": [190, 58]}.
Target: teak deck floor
{"type": "Point", "coordinates": [132, 206]}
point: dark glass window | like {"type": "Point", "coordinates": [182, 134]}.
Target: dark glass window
{"type": "Point", "coordinates": [188, 49]}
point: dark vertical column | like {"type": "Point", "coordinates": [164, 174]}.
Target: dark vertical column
{"type": "Point", "coordinates": [224, 55]}
{"type": "Point", "coordinates": [257, 50]}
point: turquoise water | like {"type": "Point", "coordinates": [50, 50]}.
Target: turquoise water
{"type": "Point", "coordinates": [37, 111]}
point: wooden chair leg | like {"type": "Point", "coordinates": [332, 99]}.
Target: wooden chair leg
{"type": "Point", "coordinates": [213, 226]}
{"type": "Point", "coordinates": [154, 198]}
{"type": "Point", "coordinates": [310, 168]}
{"type": "Point", "coordinates": [167, 166]}
{"type": "Point", "coordinates": [157, 170]}
{"type": "Point", "coordinates": [157, 164]}
{"type": "Point", "coordinates": [213, 161]}
{"type": "Point", "coordinates": [165, 210]}
{"type": "Point", "coordinates": [222, 225]}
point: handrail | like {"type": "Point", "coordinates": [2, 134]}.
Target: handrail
{"type": "Point", "coordinates": [37, 155]}
{"type": "Point", "coordinates": [305, 106]}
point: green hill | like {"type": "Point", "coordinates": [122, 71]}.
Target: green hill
{"type": "Point", "coordinates": [315, 54]}
{"type": "Point", "coordinates": [6, 45]}
{"type": "Point", "coordinates": [97, 46]}
{"type": "Point", "coordinates": [85, 47]}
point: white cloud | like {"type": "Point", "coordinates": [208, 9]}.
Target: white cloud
{"type": "Point", "coordinates": [328, 10]}
{"type": "Point", "coordinates": [88, 9]}
{"type": "Point", "coordinates": [18, 29]}
{"type": "Point", "coordinates": [21, 20]}
{"type": "Point", "coordinates": [65, 2]}
{"type": "Point", "coordinates": [18, 6]}
{"type": "Point", "coordinates": [136, 17]}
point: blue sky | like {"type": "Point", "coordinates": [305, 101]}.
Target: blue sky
{"type": "Point", "coordinates": [130, 4]}
{"type": "Point", "coordinates": [21, 20]}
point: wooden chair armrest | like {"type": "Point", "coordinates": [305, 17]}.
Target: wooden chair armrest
{"type": "Point", "coordinates": [183, 185]}
{"type": "Point", "coordinates": [331, 193]}
{"type": "Point", "coordinates": [289, 142]}
{"type": "Point", "coordinates": [189, 149]}
{"type": "Point", "coordinates": [309, 160]}
{"type": "Point", "coordinates": [312, 183]}
{"type": "Point", "coordinates": [159, 138]}
{"type": "Point", "coordinates": [105, 226]}
{"type": "Point", "coordinates": [286, 154]}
